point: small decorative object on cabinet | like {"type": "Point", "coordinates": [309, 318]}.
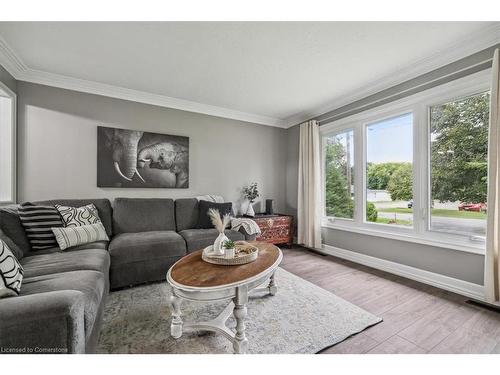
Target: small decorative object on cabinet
{"type": "Point", "coordinates": [250, 192]}
{"type": "Point", "coordinates": [275, 229]}
{"type": "Point", "coordinates": [269, 206]}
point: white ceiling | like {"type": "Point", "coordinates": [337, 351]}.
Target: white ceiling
{"type": "Point", "coordinates": [279, 72]}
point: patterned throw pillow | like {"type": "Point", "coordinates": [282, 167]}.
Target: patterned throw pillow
{"type": "Point", "coordinates": [79, 235]}
{"type": "Point", "coordinates": [37, 222]}
{"type": "Point", "coordinates": [11, 272]}
{"type": "Point", "coordinates": [78, 216]}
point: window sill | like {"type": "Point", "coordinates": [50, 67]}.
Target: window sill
{"type": "Point", "coordinates": [469, 248]}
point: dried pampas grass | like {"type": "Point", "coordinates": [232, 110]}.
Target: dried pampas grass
{"type": "Point", "coordinates": [220, 223]}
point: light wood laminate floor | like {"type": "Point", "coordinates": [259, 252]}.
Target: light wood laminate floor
{"type": "Point", "coordinates": [417, 318]}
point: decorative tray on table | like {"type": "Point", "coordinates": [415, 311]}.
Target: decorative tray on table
{"type": "Point", "coordinates": [244, 253]}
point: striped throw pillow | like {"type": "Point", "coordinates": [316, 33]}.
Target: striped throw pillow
{"type": "Point", "coordinates": [37, 222]}
{"type": "Point", "coordinates": [73, 236]}
{"type": "Point", "coordinates": [11, 272]}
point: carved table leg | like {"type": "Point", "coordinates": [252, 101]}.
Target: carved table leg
{"type": "Point", "coordinates": [273, 288]}
{"type": "Point", "coordinates": [240, 343]}
{"type": "Point", "coordinates": [176, 325]}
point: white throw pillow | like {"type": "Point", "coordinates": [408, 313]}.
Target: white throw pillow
{"type": "Point", "coordinates": [77, 216]}
{"type": "Point", "coordinates": [79, 235]}
{"type": "Point", "coordinates": [11, 272]}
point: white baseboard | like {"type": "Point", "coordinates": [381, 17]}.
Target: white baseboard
{"type": "Point", "coordinates": [451, 284]}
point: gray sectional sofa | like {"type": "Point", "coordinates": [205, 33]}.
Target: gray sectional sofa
{"type": "Point", "coordinates": [63, 294]}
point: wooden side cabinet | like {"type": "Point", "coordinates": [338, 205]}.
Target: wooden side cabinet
{"type": "Point", "coordinates": [275, 229]}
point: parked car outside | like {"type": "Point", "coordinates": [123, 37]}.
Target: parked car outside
{"type": "Point", "coordinates": [410, 204]}
{"type": "Point", "coordinates": [476, 207]}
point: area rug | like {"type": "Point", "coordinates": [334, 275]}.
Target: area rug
{"type": "Point", "coordinates": [301, 318]}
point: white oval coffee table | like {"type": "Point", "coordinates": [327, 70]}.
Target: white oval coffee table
{"type": "Point", "coordinates": [193, 279]}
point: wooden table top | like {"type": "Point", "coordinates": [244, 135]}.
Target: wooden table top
{"type": "Point", "coordinates": [192, 271]}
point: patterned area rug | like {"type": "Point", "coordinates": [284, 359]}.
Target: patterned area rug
{"type": "Point", "coordinates": [301, 318]}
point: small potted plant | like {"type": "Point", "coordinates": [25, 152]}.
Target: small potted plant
{"type": "Point", "coordinates": [250, 192]}
{"type": "Point", "coordinates": [229, 249]}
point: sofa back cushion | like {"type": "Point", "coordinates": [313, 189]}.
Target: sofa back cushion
{"type": "Point", "coordinates": [186, 213]}
{"type": "Point", "coordinates": [10, 223]}
{"type": "Point", "coordinates": [134, 215]}
{"type": "Point", "coordinates": [103, 208]}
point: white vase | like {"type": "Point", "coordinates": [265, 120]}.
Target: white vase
{"type": "Point", "coordinates": [219, 244]}
{"type": "Point", "coordinates": [250, 212]}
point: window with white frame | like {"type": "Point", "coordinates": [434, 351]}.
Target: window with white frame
{"type": "Point", "coordinates": [459, 165]}
{"type": "Point", "coordinates": [421, 167]}
{"type": "Point", "coordinates": [389, 170]}
{"type": "Point", "coordinates": [339, 174]}
{"type": "Point", "coordinates": [7, 146]}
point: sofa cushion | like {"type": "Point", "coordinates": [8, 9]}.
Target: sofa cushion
{"type": "Point", "coordinates": [91, 283]}
{"type": "Point", "coordinates": [204, 221]}
{"type": "Point", "coordinates": [103, 208]}
{"type": "Point", "coordinates": [57, 262]}
{"type": "Point", "coordinates": [134, 215]}
{"type": "Point", "coordinates": [94, 245]}
{"type": "Point", "coordinates": [197, 239]}
{"type": "Point", "coordinates": [136, 247]}
{"type": "Point", "coordinates": [12, 227]}
{"type": "Point", "coordinates": [186, 213]}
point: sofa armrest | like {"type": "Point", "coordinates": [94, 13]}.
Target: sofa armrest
{"type": "Point", "coordinates": [248, 237]}
{"type": "Point", "coordinates": [51, 322]}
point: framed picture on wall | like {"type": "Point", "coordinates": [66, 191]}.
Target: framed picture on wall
{"type": "Point", "coordinates": [132, 158]}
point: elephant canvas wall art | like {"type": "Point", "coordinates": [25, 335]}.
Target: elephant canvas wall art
{"type": "Point", "coordinates": [132, 158]}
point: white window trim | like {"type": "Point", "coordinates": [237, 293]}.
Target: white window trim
{"type": "Point", "coordinates": [419, 105]}
{"type": "Point", "coordinates": [6, 91]}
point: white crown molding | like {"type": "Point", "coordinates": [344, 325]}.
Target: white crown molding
{"type": "Point", "coordinates": [484, 38]}
{"type": "Point", "coordinates": [451, 284]}
{"type": "Point", "coordinates": [20, 71]}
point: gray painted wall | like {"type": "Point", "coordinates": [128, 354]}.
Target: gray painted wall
{"type": "Point", "coordinates": [453, 263]}
{"type": "Point", "coordinates": [7, 79]}
{"type": "Point", "coordinates": [57, 147]}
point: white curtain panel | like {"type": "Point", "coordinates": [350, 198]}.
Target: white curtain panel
{"type": "Point", "coordinates": [308, 205]}
{"type": "Point", "coordinates": [491, 272]}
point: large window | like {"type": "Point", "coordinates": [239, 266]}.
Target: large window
{"type": "Point", "coordinates": [389, 171]}
{"type": "Point", "coordinates": [459, 165]}
{"type": "Point", "coordinates": [414, 169]}
{"type": "Point", "coordinates": [7, 145]}
{"type": "Point", "coordinates": [339, 175]}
